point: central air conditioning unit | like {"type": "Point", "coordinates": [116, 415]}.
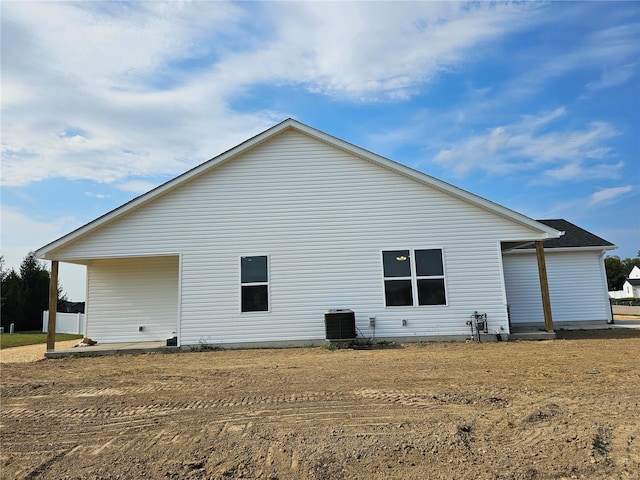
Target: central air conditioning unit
{"type": "Point", "coordinates": [340, 324]}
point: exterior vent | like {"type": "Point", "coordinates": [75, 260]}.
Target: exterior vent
{"type": "Point", "coordinates": [340, 324]}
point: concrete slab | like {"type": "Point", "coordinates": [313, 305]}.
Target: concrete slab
{"type": "Point", "coordinates": [535, 332]}
{"type": "Point", "coordinates": [105, 349]}
{"type": "Point", "coordinates": [627, 323]}
{"type": "Point", "coordinates": [519, 332]}
{"type": "Point", "coordinates": [532, 335]}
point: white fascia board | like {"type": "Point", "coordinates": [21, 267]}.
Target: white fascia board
{"type": "Point", "coordinates": [521, 251]}
{"type": "Point", "coordinates": [46, 252]}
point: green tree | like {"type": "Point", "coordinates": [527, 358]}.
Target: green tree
{"type": "Point", "coordinates": [35, 290]}
{"type": "Point", "coordinates": [12, 299]}
{"type": "Point", "coordinates": [615, 273]}
{"type": "Point", "coordinates": [25, 295]}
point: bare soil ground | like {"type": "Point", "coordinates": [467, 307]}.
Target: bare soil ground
{"type": "Point", "coordinates": [511, 410]}
{"type": "Point", "coordinates": [31, 353]}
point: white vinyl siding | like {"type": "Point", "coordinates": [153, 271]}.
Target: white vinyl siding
{"type": "Point", "coordinates": [323, 215]}
{"type": "Point", "coordinates": [125, 294]}
{"type": "Point", "coordinates": [576, 287]}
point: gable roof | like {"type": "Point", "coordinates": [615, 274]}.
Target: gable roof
{"type": "Point", "coordinates": [291, 124]}
{"type": "Point", "coordinates": [574, 237]}
{"type": "Point", "coordinates": [634, 281]}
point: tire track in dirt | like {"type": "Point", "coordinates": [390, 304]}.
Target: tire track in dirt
{"type": "Point", "coordinates": [625, 440]}
{"type": "Point", "coordinates": [230, 417]}
{"type": "Point", "coordinates": [391, 414]}
{"type": "Point", "coordinates": [27, 412]}
{"type": "Point", "coordinates": [106, 411]}
{"type": "Point", "coordinates": [30, 390]}
{"type": "Point", "coordinates": [230, 414]}
{"type": "Point", "coordinates": [423, 399]}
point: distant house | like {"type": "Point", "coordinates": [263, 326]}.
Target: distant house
{"type": "Point", "coordinates": [65, 306]}
{"type": "Point", "coordinates": [631, 287]}
{"type": "Point", "coordinates": [253, 247]}
{"type": "Point", "coordinates": [576, 275]}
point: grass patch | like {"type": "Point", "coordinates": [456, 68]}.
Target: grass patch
{"type": "Point", "coordinates": [21, 339]}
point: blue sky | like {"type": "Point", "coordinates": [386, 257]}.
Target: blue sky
{"type": "Point", "coordinates": [535, 106]}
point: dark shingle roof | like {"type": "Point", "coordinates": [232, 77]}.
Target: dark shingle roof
{"type": "Point", "coordinates": [634, 281]}
{"type": "Point", "coordinates": [573, 237]}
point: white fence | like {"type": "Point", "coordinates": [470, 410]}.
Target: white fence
{"type": "Point", "coordinates": [618, 294]}
{"type": "Point", "coordinates": [66, 323]}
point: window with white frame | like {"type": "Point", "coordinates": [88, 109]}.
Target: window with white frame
{"type": "Point", "coordinates": [413, 277]}
{"type": "Point", "coordinates": [254, 284]}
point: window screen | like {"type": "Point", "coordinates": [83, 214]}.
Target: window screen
{"type": "Point", "coordinates": [414, 277]}
{"type": "Point", "coordinates": [254, 284]}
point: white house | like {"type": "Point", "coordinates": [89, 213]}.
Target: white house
{"type": "Point", "coordinates": [576, 276]}
{"type": "Point", "coordinates": [631, 287]}
{"type": "Point", "coordinates": [254, 246]}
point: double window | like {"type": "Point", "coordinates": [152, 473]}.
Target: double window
{"type": "Point", "coordinates": [254, 284]}
{"type": "Point", "coordinates": [413, 277]}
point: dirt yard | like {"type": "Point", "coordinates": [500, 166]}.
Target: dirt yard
{"type": "Point", "coordinates": [567, 408]}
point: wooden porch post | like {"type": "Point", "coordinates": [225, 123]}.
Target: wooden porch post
{"type": "Point", "coordinates": [53, 306]}
{"type": "Point", "coordinates": [544, 287]}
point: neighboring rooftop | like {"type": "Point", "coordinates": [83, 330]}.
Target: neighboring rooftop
{"type": "Point", "coordinates": [634, 281]}
{"type": "Point", "coordinates": [573, 237]}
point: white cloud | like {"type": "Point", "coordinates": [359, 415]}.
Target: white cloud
{"type": "Point", "coordinates": [577, 171]}
{"type": "Point", "coordinates": [76, 106]}
{"type": "Point", "coordinates": [612, 77]}
{"type": "Point", "coordinates": [112, 44]}
{"type": "Point", "coordinates": [137, 186]}
{"type": "Point", "coordinates": [22, 234]}
{"type": "Point", "coordinates": [19, 230]}
{"type": "Point", "coordinates": [378, 50]}
{"type": "Point", "coordinates": [527, 145]}
{"type": "Point", "coordinates": [608, 195]}
{"type": "Point", "coordinates": [92, 69]}
{"type": "Point", "coordinates": [611, 51]}
{"type": "Point", "coordinates": [497, 140]}
{"type": "Point", "coordinates": [97, 195]}
{"type": "Point", "coordinates": [108, 71]}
